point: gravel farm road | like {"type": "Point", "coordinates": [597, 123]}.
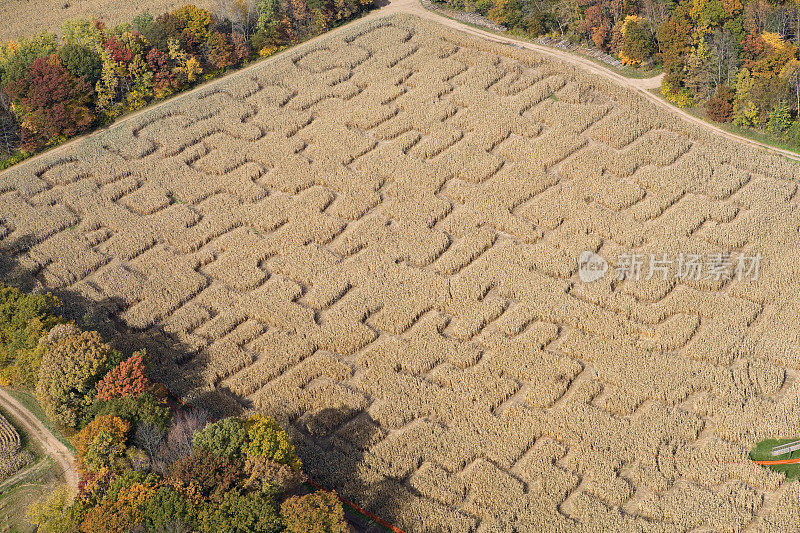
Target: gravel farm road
{"type": "Point", "coordinates": [34, 429]}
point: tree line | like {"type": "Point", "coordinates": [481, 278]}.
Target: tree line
{"type": "Point", "coordinates": [53, 87]}
{"type": "Point", "coordinates": [737, 60]}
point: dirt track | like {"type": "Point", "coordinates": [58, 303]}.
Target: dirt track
{"type": "Point", "coordinates": [36, 430]}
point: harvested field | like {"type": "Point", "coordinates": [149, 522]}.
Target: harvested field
{"type": "Point", "coordinates": [22, 18]}
{"type": "Point", "coordinates": [375, 238]}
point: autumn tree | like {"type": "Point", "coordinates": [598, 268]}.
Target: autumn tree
{"type": "Point", "coordinates": [122, 508]}
{"type": "Point", "coordinates": [70, 370]}
{"type": "Point", "coordinates": [203, 475]}
{"type": "Point", "coordinates": [318, 512]}
{"type": "Point", "coordinates": [129, 378]}
{"type": "Point", "coordinates": [267, 439]}
{"type": "Point", "coordinates": [720, 106]}
{"type": "Point", "coordinates": [51, 103]}
{"type": "Point", "coordinates": [101, 443]}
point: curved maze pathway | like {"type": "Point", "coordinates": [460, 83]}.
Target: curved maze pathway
{"type": "Point", "coordinates": [374, 238]}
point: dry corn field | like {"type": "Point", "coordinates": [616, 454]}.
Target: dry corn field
{"type": "Point", "coordinates": [8, 435]}
{"type": "Point", "coordinates": [374, 237]}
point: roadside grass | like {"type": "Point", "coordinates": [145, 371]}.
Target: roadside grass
{"type": "Point", "coordinates": [29, 401]}
{"type": "Point", "coordinates": [38, 481]}
{"type": "Point", "coordinates": [761, 452]}
{"type": "Point", "coordinates": [747, 133]}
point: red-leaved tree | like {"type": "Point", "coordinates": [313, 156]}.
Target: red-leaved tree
{"type": "Point", "coordinates": [129, 378]}
{"type": "Point", "coordinates": [51, 103]}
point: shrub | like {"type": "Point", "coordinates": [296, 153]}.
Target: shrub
{"type": "Point", "coordinates": [168, 510]}
{"type": "Point", "coordinates": [71, 368]}
{"type": "Point", "coordinates": [267, 439]}
{"type": "Point", "coordinates": [720, 106]}
{"type": "Point", "coordinates": [792, 135]}
{"type": "Point", "coordinates": [779, 120]}
{"type": "Point", "coordinates": [54, 514]}
{"type": "Point", "coordinates": [747, 115]}
{"type": "Point", "coordinates": [178, 441]}
{"type": "Point", "coordinates": [129, 378]}
{"type": "Point", "coordinates": [241, 513]}
{"type": "Point", "coordinates": [204, 476]}
{"type": "Point", "coordinates": [101, 444]}
{"type": "Point", "coordinates": [24, 319]}
{"type": "Point", "coordinates": [679, 96]}
{"type": "Point", "coordinates": [51, 102]}
{"type": "Point", "coordinates": [224, 438]}
{"type": "Point", "coordinates": [318, 512]}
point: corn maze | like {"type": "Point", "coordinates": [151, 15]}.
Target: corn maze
{"type": "Point", "coordinates": [374, 238]}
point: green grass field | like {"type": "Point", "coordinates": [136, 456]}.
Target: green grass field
{"type": "Point", "coordinates": [761, 452]}
{"type": "Point", "coordinates": [38, 481]}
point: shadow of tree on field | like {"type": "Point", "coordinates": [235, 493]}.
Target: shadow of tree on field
{"type": "Point", "coordinates": [334, 444]}
{"type": "Point", "coordinates": [331, 442]}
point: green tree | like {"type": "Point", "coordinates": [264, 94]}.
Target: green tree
{"type": "Point", "coordinates": [24, 319]}
{"type": "Point", "coordinates": [82, 62]}
{"type": "Point", "coordinates": [239, 512]}
{"type": "Point", "coordinates": [638, 41]}
{"type": "Point", "coordinates": [224, 438]}
{"type": "Point", "coordinates": [168, 510]}
{"type": "Point", "coordinates": [144, 408]}
{"type": "Point", "coordinates": [779, 120]}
